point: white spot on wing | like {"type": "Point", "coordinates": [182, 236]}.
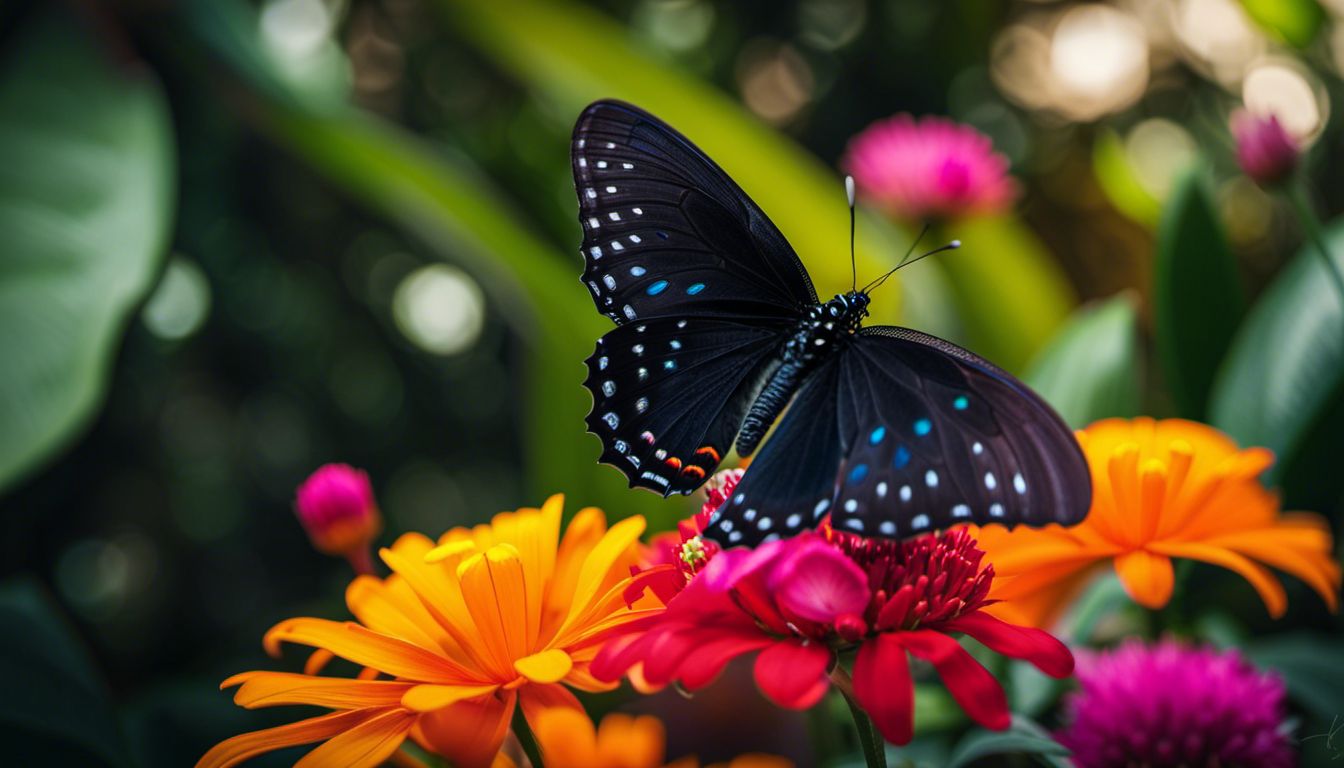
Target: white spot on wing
{"type": "Point", "coordinates": [1019, 484]}
{"type": "Point", "coordinates": [931, 479]}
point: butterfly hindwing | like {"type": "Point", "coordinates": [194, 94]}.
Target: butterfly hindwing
{"type": "Point", "coordinates": [667, 232]}
{"type": "Point", "coordinates": [902, 433]}
{"type": "Point", "coordinates": [670, 393]}
{"type": "Point", "coordinates": [937, 436]}
{"type": "Point", "coordinates": [790, 484]}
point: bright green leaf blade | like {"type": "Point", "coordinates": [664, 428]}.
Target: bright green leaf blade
{"type": "Point", "coordinates": [1090, 370]}
{"type": "Point", "coordinates": [1023, 737]}
{"type": "Point", "coordinates": [86, 191]}
{"type": "Point", "coordinates": [1197, 294]}
{"type": "Point", "coordinates": [1286, 364]}
{"type": "Point", "coordinates": [1117, 179]}
{"type": "Point", "coordinates": [1295, 22]}
{"type": "Point", "coordinates": [56, 709]}
{"type": "Point", "coordinates": [1309, 665]}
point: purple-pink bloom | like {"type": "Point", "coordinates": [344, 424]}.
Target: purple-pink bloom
{"type": "Point", "coordinates": [337, 509]}
{"type": "Point", "coordinates": [1170, 704]}
{"type": "Point", "coordinates": [1265, 151]}
{"type": "Point", "coordinates": [929, 168]}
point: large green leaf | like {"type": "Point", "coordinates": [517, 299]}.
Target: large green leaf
{"type": "Point", "coordinates": [1286, 364]}
{"type": "Point", "coordinates": [56, 709]}
{"type": "Point", "coordinates": [1296, 22]}
{"type": "Point", "coordinates": [86, 190]}
{"type": "Point", "coordinates": [1090, 370]}
{"type": "Point", "coordinates": [1309, 665]}
{"type": "Point", "coordinates": [1011, 296]}
{"type": "Point", "coordinates": [1197, 294]}
{"type": "Point", "coordinates": [1023, 737]}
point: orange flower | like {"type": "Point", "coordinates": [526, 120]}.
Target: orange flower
{"type": "Point", "coordinates": [568, 740]}
{"type": "Point", "coordinates": [1162, 489]}
{"type": "Point", "coordinates": [463, 630]}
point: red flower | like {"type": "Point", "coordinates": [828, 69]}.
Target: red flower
{"type": "Point", "coordinates": [802, 601]}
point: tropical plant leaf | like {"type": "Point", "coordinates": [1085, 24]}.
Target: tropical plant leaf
{"type": "Point", "coordinates": [56, 709]}
{"type": "Point", "coordinates": [86, 201]}
{"type": "Point", "coordinates": [1296, 22]}
{"type": "Point", "coordinates": [1309, 665]}
{"type": "Point", "coordinates": [1197, 294]}
{"type": "Point", "coordinates": [1023, 737]}
{"type": "Point", "coordinates": [1090, 369]}
{"type": "Point", "coordinates": [1286, 364]}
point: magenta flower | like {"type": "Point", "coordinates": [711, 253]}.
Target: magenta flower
{"type": "Point", "coordinates": [1265, 151]}
{"type": "Point", "coordinates": [1173, 704]}
{"type": "Point", "coordinates": [929, 168]}
{"type": "Point", "coordinates": [799, 603]}
{"type": "Point", "coordinates": [336, 507]}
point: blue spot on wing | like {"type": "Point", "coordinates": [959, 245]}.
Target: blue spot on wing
{"type": "Point", "coordinates": [656, 288]}
{"type": "Point", "coordinates": [695, 288]}
{"type": "Point", "coordinates": [876, 436]}
{"type": "Point", "coordinates": [859, 472]}
{"type": "Point", "coordinates": [960, 403]}
{"type": "Point", "coordinates": [923, 427]}
{"type": "Point", "coordinates": [902, 457]}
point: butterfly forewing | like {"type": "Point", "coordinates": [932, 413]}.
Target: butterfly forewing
{"type": "Point", "coordinates": [667, 232]}
{"type": "Point", "coordinates": [669, 395]}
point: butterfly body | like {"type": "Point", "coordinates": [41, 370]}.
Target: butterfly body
{"type": "Point", "coordinates": [821, 333]}
{"type": "Point", "coordinates": [720, 333]}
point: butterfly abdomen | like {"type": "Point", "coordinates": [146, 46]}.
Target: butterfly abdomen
{"type": "Point", "coordinates": [768, 405]}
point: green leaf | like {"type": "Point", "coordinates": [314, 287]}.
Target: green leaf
{"type": "Point", "coordinates": [1286, 364]}
{"type": "Point", "coordinates": [86, 190]}
{"type": "Point", "coordinates": [1011, 295]}
{"type": "Point", "coordinates": [56, 709]}
{"type": "Point", "coordinates": [1115, 174]}
{"type": "Point", "coordinates": [1090, 369]}
{"type": "Point", "coordinates": [1197, 294]}
{"type": "Point", "coordinates": [1023, 737]}
{"type": "Point", "coordinates": [1309, 665]}
{"type": "Point", "coordinates": [1295, 22]}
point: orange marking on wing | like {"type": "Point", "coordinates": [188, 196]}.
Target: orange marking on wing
{"type": "Point", "coordinates": [673, 462]}
{"type": "Point", "coordinates": [691, 469]}
{"type": "Point", "coordinates": [709, 451]}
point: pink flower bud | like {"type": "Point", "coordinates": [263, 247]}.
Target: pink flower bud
{"type": "Point", "coordinates": [336, 507]}
{"type": "Point", "coordinates": [1264, 149]}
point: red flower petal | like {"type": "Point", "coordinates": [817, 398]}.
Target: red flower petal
{"type": "Point", "coordinates": [1036, 646]}
{"type": "Point", "coordinates": [969, 683]}
{"type": "Point", "coordinates": [704, 664]}
{"type": "Point", "coordinates": [819, 583]}
{"type": "Point", "coordinates": [883, 687]}
{"type": "Point", "coordinates": [792, 673]}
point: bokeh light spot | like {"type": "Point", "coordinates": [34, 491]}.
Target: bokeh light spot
{"type": "Point", "coordinates": [180, 303]}
{"type": "Point", "coordinates": [439, 309]}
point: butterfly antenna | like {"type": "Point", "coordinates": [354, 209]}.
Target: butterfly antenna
{"type": "Point", "coordinates": [853, 270]}
{"type": "Point", "coordinates": [907, 261]}
{"type": "Point", "coordinates": [908, 251]}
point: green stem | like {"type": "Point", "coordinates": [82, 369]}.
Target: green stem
{"type": "Point", "coordinates": [529, 742]}
{"type": "Point", "coordinates": [874, 747]}
{"type": "Point", "coordinates": [1298, 197]}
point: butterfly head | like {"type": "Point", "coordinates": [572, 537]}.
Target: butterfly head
{"type": "Point", "coordinates": [846, 311]}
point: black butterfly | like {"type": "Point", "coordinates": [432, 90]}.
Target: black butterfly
{"type": "Point", "coordinates": [891, 431]}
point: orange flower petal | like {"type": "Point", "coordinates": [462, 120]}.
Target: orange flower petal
{"type": "Point", "coordinates": [631, 742]}
{"type": "Point", "coordinates": [1302, 553]}
{"type": "Point", "coordinates": [598, 566]}
{"type": "Point", "coordinates": [246, 746]}
{"type": "Point", "coordinates": [1147, 577]}
{"type": "Point", "coordinates": [1271, 592]}
{"type": "Point", "coordinates": [427, 698]}
{"type": "Point", "coordinates": [537, 698]}
{"type": "Point", "coordinates": [470, 732]}
{"type": "Point", "coordinates": [567, 738]}
{"type": "Point", "coordinates": [366, 745]}
{"type": "Point", "coordinates": [494, 592]}
{"type": "Point", "coordinates": [549, 666]}
{"type": "Point", "coordinates": [270, 689]}
{"type": "Point", "coordinates": [366, 648]}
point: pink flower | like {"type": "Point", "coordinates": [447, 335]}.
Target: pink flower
{"type": "Point", "coordinates": [929, 168]}
{"type": "Point", "coordinates": [800, 602]}
{"type": "Point", "coordinates": [1265, 151]}
{"type": "Point", "coordinates": [1173, 704]}
{"type": "Point", "coordinates": [336, 507]}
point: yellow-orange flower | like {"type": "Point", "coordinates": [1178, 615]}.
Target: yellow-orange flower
{"type": "Point", "coordinates": [465, 629]}
{"type": "Point", "coordinates": [1161, 490]}
{"type": "Point", "coordinates": [568, 740]}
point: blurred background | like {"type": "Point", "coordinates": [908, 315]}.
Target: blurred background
{"type": "Point", "coordinates": [248, 238]}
